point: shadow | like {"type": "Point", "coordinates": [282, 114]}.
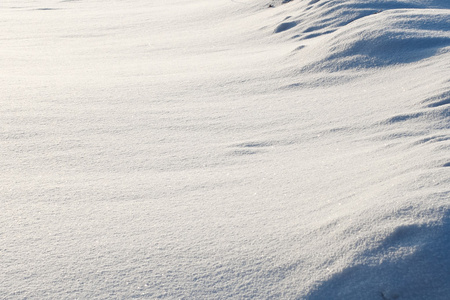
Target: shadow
{"type": "Point", "coordinates": [385, 51]}
{"type": "Point", "coordinates": [439, 100]}
{"type": "Point", "coordinates": [47, 8]}
{"type": "Point", "coordinates": [284, 26]}
{"type": "Point", "coordinates": [422, 274]}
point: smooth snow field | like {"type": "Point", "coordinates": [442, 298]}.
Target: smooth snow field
{"type": "Point", "coordinates": [226, 149]}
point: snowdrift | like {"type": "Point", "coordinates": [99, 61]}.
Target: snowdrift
{"type": "Point", "coordinates": [225, 149]}
{"type": "Point", "coordinates": [394, 37]}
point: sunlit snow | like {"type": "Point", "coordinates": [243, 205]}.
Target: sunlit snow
{"type": "Point", "coordinates": [226, 149]}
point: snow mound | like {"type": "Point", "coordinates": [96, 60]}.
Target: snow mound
{"type": "Point", "coordinates": [318, 17]}
{"type": "Point", "coordinates": [387, 38]}
{"type": "Point", "coordinates": [410, 263]}
{"type": "Point", "coordinates": [338, 35]}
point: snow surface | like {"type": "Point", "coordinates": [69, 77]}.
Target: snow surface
{"type": "Point", "coordinates": [196, 149]}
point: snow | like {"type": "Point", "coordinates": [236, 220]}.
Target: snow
{"type": "Point", "coordinates": [223, 149]}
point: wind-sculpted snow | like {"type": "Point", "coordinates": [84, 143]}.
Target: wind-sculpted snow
{"type": "Point", "coordinates": [364, 34]}
{"type": "Point", "coordinates": [318, 17]}
{"type": "Point", "coordinates": [226, 149]}
{"type": "Point", "coordinates": [393, 37]}
{"type": "Point", "coordinates": [409, 264]}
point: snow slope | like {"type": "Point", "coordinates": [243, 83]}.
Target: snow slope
{"type": "Point", "coordinates": [225, 149]}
